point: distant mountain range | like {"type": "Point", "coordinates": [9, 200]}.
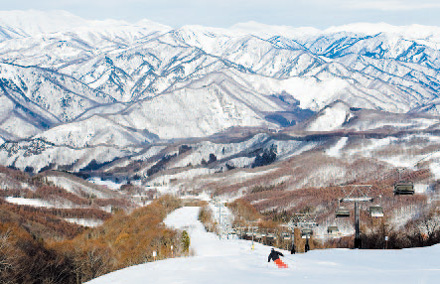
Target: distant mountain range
{"type": "Point", "coordinates": [75, 90]}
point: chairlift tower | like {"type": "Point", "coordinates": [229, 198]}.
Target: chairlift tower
{"type": "Point", "coordinates": [305, 222]}
{"type": "Point", "coordinates": [356, 196]}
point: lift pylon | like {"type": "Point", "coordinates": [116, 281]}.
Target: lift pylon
{"type": "Point", "coordinates": [356, 196]}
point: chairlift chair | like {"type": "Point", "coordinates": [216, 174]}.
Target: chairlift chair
{"type": "Point", "coordinates": [376, 211]}
{"type": "Point", "coordinates": [332, 229]}
{"type": "Point", "coordinates": [271, 236]}
{"type": "Point", "coordinates": [404, 188]}
{"type": "Point", "coordinates": [286, 236]}
{"type": "Point", "coordinates": [306, 232]}
{"type": "Point", "coordinates": [342, 212]}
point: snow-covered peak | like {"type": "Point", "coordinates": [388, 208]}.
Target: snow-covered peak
{"type": "Point", "coordinates": [271, 30]}
{"type": "Point", "coordinates": [211, 40]}
{"type": "Point", "coordinates": [413, 32]}
{"type": "Point", "coordinates": [208, 30]}
{"type": "Point", "coordinates": [112, 24]}
{"type": "Point", "coordinates": [365, 28]}
{"type": "Point", "coordinates": [33, 22]}
{"type": "Point", "coordinates": [153, 25]}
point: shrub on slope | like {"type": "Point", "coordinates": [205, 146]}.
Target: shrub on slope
{"type": "Point", "coordinates": [124, 240]}
{"type": "Point", "coordinates": [205, 216]}
{"type": "Point", "coordinates": [26, 260]}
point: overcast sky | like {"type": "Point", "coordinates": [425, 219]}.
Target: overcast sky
{"type": "Point", "coordinates": [224, 13]}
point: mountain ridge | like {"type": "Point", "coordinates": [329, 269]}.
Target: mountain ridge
{"type": "Point", "coordinates": [156, 83]}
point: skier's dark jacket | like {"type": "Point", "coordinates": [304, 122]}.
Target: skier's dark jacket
{"type": "Point", "coordinates": [274, 255]}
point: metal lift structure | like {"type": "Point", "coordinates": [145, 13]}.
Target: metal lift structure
{"type": "Point", "coordinates": [357, 195]}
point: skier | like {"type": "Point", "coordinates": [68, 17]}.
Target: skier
{"type": "Point", "coordinates": [274, 255]}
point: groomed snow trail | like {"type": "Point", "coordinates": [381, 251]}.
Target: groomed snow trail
{"type": "Point", "coordinates": [233, 261]}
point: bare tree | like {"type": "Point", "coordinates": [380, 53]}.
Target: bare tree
{"type": "Point", "coordinates": [9, 260]}
{"type": "Point", "coordinates": [429, 226]}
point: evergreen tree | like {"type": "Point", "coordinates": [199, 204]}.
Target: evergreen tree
{"type": "Point", "coordinates": [185, 240]}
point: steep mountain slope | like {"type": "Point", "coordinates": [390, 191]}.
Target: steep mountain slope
{"type": "Point", "coordinates": [205, 107]}
{"type": "Point", "coordinates": [94, 132]}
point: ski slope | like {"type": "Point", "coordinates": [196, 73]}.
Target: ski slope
{"type": "Point", "coordinates": [233, 261]}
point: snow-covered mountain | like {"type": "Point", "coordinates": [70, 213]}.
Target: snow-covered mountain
{"type": "Point", "coordinates": [71, 82]}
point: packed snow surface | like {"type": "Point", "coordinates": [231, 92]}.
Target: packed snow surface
{"type": "Point", "coordinates": [233, 261]}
